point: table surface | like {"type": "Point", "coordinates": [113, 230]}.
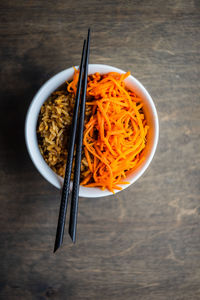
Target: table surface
{"type": "Point", "coordinates": [143, 243]}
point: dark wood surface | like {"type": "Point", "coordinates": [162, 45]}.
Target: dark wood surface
{"type": "Point", "coordinates": [143, 243]}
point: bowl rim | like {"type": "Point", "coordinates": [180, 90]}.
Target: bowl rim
{"type": "Point", "coordinates": [31, 122]}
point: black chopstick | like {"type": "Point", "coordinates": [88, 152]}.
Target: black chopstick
{"type": "Point", "coordinates": [76, 181]}
{"type": "Point", "coordinates": [66, 183]}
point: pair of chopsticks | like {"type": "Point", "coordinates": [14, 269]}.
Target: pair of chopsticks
{"type": "Point", "coordinates": [76, 135]}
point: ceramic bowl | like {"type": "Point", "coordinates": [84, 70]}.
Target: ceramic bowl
{"type": "Point", "coordinates": [51, 85]}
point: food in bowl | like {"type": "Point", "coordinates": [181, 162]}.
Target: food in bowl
{"type": "Point", "coordinates": [115, 130]}
{"type": "Point", "coordinates": [53, 130]}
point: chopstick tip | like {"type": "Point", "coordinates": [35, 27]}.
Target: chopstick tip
{"type": "Point", "coordinates": [57, 245]}
{"type": "Point", "coordinates": [72, 236]}
{"type": "Point", "coordinates": [55, 248]}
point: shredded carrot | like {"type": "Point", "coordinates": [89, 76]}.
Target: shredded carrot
{"type": "Point", "coordinates": [115, 135]}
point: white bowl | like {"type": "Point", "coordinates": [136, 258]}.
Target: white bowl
{"type": "Point", "coordinates": [50, 86]}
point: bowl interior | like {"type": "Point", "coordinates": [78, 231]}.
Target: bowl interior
{"type": "Point", "coordinates": [54, 83]}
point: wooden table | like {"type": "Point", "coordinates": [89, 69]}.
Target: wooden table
{"type": "Point", "coordinates": [143, 243]}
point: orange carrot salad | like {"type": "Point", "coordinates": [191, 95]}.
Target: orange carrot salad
{"type": "Point", "coordinates": [115, 135]}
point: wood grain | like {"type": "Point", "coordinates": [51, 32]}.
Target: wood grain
{"type": "Point", "coordinates": [143, 243]}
